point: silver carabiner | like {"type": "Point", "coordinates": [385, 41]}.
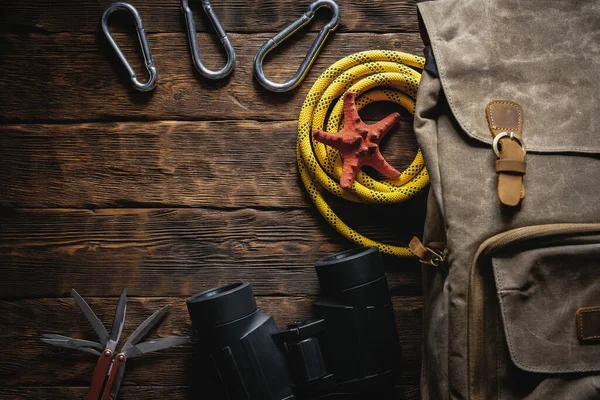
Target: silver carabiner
{"type": "Point", "coordinates": [312, 52]}
{"type": "Point", "coordinates": [141, 32]}
{"type": "Point", "coordinates": [191, 27]}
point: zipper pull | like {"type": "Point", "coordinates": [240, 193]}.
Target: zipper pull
{"type": "Point", "coordinates": [426, 255]}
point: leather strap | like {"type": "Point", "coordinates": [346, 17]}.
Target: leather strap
{"type": "Point", "coordinates": [588, 324]}
{"type": "Point", "coordinates": [507, 116]}
{"type": "Point", "coordinates": [417, 247]}
{"type": "Point", "coordinates": [517, 167]}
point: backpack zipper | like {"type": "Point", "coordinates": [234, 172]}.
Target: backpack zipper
{"type": "Point", "coordinates": [476, 292]}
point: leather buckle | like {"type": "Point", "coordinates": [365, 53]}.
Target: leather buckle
{"type": "Point", "coordinates": [510, 135]}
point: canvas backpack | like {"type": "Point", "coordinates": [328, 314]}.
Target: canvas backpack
{"type": "Point", "coordinates": [512, 240]}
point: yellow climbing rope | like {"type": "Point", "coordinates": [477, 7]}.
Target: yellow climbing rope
{"type": "Point", "coordinates": [376, 75]}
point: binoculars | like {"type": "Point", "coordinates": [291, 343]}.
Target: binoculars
{"type": "Point", "coordinates": [352, 348]}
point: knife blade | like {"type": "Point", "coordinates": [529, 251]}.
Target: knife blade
{"type": "Point", "coordinates": [68, 345]}
{"type": "Point", "coordinates": [119, 322]}
{"type": "Point", "coordinates": [155, 345]}
{"type": "Point", "coordinates": [145, 327]}
{"type": "Point", "coordinates": [91, 317]}
{"type": "Point", "coordinates": [71, 342]}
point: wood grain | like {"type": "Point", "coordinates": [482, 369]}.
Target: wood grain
{"type": "Point", "coordinates": [213, 164]}
{"type": "Point", "coordinates": [403, 392]}
{"type": "Point", "coordinates": [78, 392]}
{"type": "Point", "coordinates": [168, 193]}
{"type": "Point", "coordinates": [171, 367]}
{"type": "Point", "coordinates": [172, 252]}
{"type": "Point", "coordinates": [66, 76]}
{"type": "Point", "coordinates": [235, 15]}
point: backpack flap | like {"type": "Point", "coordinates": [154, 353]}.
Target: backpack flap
{"type": "Point", "coordinates": [543, 55]}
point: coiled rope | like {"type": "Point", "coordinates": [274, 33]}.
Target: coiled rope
{"type": "Point", "coordinates": [376, 75]}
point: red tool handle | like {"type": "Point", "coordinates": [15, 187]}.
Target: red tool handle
{"type": "Point", "coordinates": [99, 376]}
{"type": "Point", "coordinates": [120, 359]}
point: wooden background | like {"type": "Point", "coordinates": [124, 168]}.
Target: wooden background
{"type": "Point", "coordinates": [172, 192]}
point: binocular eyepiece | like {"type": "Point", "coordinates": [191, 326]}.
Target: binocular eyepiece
{"type": "Point", "coordinates": [352, 347]}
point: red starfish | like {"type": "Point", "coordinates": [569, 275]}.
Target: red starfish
{"type": "Point", "coordinates": [359, 143]}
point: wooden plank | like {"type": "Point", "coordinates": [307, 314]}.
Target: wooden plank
{"type": "Point", "coordinates": [174, 252]}
{"type": "Point", "coordinates": [235, 15]}
{"type": "Point", "coordinates": [403, 392]}
{"type": "Point", "coordinates": [25, 320]}
{"type": "Point", "coordinates": [213, 164]}
{"type": "Point", "coordinates": [65, 76]}
{"type": "Point", "coordinates": [78, 392]}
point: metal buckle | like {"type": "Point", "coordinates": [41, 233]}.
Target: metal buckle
{"type": "Point", "coordinates": [436, 258]}
{"type": "Point", "coordinates": [510, 135]}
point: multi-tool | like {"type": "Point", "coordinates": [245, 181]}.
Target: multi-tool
{"type": "Point", "coordinates": [110, 369]}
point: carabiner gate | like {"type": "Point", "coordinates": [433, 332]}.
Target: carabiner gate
{"type": "Point", "coordinates": [191, 27]}
{"type": "Point", "coordinates": [141, 32]}
{"type": "Point", "coordinates": [312, 52]}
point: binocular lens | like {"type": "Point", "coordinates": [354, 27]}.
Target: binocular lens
{"type": "Point", "coordinates": [221, 305]}
{"type": "Point", "coordinates": [349, 269]}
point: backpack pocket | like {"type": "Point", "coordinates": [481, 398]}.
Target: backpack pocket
{"type": "Point", "coordinates": [546, 280]}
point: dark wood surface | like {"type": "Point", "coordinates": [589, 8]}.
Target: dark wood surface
{"type": "Point", "coordinates": [169, 193]}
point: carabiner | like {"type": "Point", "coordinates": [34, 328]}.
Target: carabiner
{"type": "Point", "coordinates": [139, 26]}
{"type": "Point", "coordinates": [312, 52]}
{"type": "Point", "coordinates": [191, 27]}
